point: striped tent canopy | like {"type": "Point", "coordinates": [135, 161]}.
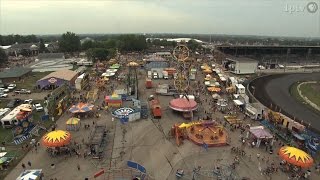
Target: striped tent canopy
{"type": "Point", "coordinates": [81, 108]}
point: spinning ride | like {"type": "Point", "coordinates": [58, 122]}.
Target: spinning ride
{"type": "Point", "coordinates": [56, 138]}
{"type": "Point", "coordinates": [202, 133]}
{"type": "Point", "coordinates": [122, 112]}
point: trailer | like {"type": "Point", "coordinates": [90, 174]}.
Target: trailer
{"type": "Point", "coordinates": [155, 108]}
{"type": "Point", "coordinates": [148, 83]}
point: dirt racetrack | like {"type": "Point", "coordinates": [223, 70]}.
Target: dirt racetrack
{"type": "Point", "coordinates": [274, 89]}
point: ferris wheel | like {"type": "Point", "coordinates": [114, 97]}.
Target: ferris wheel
{"type": "Point", "coordinates": [181, 56]}
{"type": "Point", "coordinates": [181, 53]}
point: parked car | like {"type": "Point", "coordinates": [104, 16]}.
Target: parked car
{"type": "Point", "coordinates": [28, 101]}
{"type": "Point", "coordinates": [12, 86]}
{"type": "Point", "coordinates": [3, 95]}
{"type": "Point", "coordinates": [4, 90]}
{"type": "Point", "coordinates": [38, 107]}
{"type": "Point", "coordinates": [13, 103]}
{"type": "Point", "coordinates": [23, 91]}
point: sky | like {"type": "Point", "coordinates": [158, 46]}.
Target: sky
{"type": "Point", "coordinates": [233, 17]}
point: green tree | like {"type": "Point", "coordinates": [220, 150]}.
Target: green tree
{"type": "Point", "coordinates": [42, 47]}
{"type": "Point", "coordinates": [3, 57]}
{"type": "Point", "coordinates": [69, 42]}
{"type": "Point", "coordinates": [193, 45]}
{"type": "Point", "coordinates": [97, 54]}
{"type": "Point", "coordinates": [87, 45]}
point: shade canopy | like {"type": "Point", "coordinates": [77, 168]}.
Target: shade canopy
{"type": "Point", "coordinates": [295, 156]}
{"type": "Point", "coordinates": [260, 132]}
{"type": "Point", "coordinates": [214, 89]}
{"type": "Point", "coordinates": [73, 121]}
{"type": "Point", "coordinates": [56, 138]}
{"type": "Point", "coordinates": [81, 107]}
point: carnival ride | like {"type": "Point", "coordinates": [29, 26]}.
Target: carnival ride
{"type": "Point", "coordinates": [132, 79]}
{"type": "Point", "coordinates": [207, 133]}
{"type": "Point", "coordinates": [122, 112]}
{"type": "Point", "coordinates": [181, 55]}
{"type": "Point", "coordinates": [98, 141]}
{"type": "Point", "coordinates": [57, 138]}
{"type": "Point", "coordinates": [184, 105]}
{"type": "Point", "coordinates": [296, 157]}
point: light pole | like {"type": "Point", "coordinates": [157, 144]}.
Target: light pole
{"type": "Point", "coordinates": [288, 52]}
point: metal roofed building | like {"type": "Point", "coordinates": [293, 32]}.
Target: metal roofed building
{"type": "Point", "coordinates": [57, 78]}
{"type": "Point", "coordinates": [14, 74]}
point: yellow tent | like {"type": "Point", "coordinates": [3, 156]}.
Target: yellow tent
{"type": "Point", "coordinates": [73, 124]}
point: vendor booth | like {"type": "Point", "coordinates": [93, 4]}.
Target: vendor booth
{"type": "Point", "coordinates": [114, 100]}
{"type": "Point", "coordinates": [260, 134]}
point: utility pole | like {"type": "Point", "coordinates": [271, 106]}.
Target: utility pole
{"type": "Point", "coordinates": [288, 52]}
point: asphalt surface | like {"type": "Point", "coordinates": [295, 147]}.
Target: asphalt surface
{"type": "Point", "coordinates": [274, 89]}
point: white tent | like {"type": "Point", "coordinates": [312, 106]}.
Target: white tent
{"type": "Point", "coordinates": [238, 102]}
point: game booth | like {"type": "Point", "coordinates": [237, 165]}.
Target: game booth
{"type": "Point", "coordinates": [185, 106]}
{"type": "Point", "coordinates": [260, 134]}
{"type": "Point", "coordinates": [114, 100]}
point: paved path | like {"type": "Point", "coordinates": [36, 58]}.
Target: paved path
{"type": "Point", "coordinates": [275, 89]}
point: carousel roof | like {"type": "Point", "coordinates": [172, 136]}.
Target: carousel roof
{"type": "Point", "coordinates": [183, 104]}
{"type": "Point", "coordinates": [56, 138]}
{"type": "Point", "coordinates": [295, 156]}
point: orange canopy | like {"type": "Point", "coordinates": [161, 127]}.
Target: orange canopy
{"type": "Point", "coordinates": [295, 156]}
{"type": "Point", "coordinates": [56, 138]}
{"type": "Point", "coordinates": [214, 89]}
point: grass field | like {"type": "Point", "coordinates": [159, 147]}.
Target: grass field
{"type": "Point", "coordinates": [311, 91]}
{"type": "Point", "coordinates": [30, 81]}
{"type": "Point", "coordinates": [295, 94]}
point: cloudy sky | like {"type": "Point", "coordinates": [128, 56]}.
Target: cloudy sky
{"type": "Point", "coordinates": [240, 17]}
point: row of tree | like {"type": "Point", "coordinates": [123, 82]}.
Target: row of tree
{"type": "Point", "coordinates": [11, 39]}
{"type": "Point", "coordinates": [163, 42]}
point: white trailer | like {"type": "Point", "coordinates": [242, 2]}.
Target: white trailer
{"type": "Point", "coordinates": [149, 74]}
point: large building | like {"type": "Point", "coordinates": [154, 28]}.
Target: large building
{"type": "Point", "coordinates": [57, 78]}
{"type": "Point", "coordinates": [14, 74]}
{"type": "Point", "coordinates": [30, 48]}
{"type": "Point", "coordinates": [241, 65]}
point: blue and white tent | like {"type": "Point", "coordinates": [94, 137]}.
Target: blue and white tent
{"type": "Point", "coordinates": [31, 174]}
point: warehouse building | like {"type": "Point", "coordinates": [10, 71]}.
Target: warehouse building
{"type": "Point", "coordinates": [57, 78]}
{"type": "Point", "coordinates": [14, 74]}
{"type": "Point", "coordinates": [241, 65]}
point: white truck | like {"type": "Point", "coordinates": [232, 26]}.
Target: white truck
{"type": "Point", "coordinates": [155, 75]}
{"type": "Point", "coordinates": [165, 75]}
{"type": "Point", "coordinates": [149, 74]}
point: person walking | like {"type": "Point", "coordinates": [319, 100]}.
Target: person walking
{"type": "Point", "coordinates": [78, 166]}
{"type": "Point", "coordinates": [23, 166]}
{"type": "Point", "coordinates": [29, 163]}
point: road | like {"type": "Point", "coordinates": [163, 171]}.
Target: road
{"type": "Point", "coordinates": [274, 89]}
